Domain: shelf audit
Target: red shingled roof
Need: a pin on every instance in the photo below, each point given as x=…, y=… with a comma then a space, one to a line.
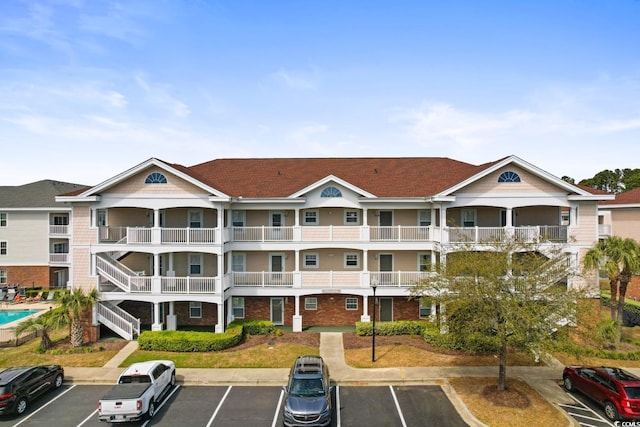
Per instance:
x=383, y=177
x=628, y=197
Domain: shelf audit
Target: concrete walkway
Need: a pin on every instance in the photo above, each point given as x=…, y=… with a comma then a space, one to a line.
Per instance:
x=545, y=379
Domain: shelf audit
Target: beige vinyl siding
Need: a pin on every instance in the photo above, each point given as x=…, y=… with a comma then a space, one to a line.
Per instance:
x=27, y=237
x=82, y=278
x=529, y=184
x=586, y=231
x=135, y=185
x=83, y=233
x=626, y=223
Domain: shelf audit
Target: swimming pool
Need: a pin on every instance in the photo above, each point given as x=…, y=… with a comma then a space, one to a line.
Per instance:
x=8, y=316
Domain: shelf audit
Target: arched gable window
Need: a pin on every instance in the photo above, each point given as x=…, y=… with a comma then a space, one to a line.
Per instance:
x=331, y=192
x=155, y=178
x=509, y=176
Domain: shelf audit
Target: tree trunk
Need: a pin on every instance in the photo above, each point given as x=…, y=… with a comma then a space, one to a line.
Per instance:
x=613, y=289
x=502, y=370
x=624, y=282
x=45, y=341
x=76, y=333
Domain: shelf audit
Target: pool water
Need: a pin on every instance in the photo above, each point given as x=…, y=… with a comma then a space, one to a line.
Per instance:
x=8, y=316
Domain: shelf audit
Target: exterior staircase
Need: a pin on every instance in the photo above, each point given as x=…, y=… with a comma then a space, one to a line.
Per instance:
x=118, y=320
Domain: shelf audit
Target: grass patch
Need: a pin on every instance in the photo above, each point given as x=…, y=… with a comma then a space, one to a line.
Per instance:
x=281, y=355
x=486, y=404
x=25, y=354
x=409, y=356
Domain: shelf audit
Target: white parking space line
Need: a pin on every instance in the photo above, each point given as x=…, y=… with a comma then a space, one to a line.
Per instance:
x=44, y=406
x=275, y=416
x=88, y=418
x=163, y=402
x=338, y=421
x=597, y=416
x=395, y=399
x=213, y=417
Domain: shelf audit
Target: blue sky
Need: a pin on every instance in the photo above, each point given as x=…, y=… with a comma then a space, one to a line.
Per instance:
x=90, y=88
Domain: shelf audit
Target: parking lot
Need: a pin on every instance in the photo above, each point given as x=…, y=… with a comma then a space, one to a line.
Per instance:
x=586, y=411
x=241, y=406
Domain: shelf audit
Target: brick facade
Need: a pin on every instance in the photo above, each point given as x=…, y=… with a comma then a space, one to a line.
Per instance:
x=29, y=276
x=144, y=312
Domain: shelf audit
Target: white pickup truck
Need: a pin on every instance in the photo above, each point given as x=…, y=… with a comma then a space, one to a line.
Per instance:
x=139, y=389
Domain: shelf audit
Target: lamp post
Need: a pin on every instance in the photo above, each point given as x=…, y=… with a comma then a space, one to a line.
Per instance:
x=374, y=285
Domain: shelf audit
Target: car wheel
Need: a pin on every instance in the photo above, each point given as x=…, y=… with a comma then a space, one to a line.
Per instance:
x=57, y=383
x=568, y=384
x=152, y=409
x=610, y=411
x=21, y=406
x=173, y=379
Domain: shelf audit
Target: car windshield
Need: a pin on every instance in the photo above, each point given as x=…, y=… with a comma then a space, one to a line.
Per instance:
x=633, y=392
x=307, y=387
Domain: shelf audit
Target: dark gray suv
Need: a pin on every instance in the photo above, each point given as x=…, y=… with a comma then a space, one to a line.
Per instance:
x=308, y=394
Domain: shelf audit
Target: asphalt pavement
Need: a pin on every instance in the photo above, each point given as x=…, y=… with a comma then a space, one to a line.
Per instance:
x=544, y=378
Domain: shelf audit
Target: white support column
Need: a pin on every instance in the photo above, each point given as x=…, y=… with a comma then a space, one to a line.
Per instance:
x=220, y=324
x=229, y=310
x=157, y=324
x=156, y=265
x=172, y=320
x=365, y=309
x=509, y=214
x=297, y=318
x=156, y=218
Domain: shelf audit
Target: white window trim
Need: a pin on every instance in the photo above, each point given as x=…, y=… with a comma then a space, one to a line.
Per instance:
x=6, y=247
x=239, y=216
x=4, y=216
x=304, y=260
x=420, y=255
x=195, y=305
x=356, y=222
x=309, y=306
x=474, y=212
x=423, y=306
x=346, y=303
x=427, y=212
x=3, y=277
x=357, y=255
x=199, y=214
x=235, y=307
x=199, y=262
x=240, y=256
x=304, y=217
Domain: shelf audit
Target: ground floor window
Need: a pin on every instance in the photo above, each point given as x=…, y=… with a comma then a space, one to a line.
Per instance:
x=3, y=277
x=195, y=310
x=425, y=309
x=311, y=303
x=351, y=303
x=238, y=307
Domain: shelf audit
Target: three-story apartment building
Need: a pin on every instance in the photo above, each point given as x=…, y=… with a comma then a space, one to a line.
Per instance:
x=300, y=241
x=35, y=231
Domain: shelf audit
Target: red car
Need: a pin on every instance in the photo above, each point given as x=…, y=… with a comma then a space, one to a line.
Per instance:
x=617, y=390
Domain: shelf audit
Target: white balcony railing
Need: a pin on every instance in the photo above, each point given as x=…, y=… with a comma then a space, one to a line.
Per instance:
x=59, y=229
x=604, y=229
x=552, y=233
x=263, y=279
x=146, y=235
x=262, y=234
x=59, y=258
x=188, y=285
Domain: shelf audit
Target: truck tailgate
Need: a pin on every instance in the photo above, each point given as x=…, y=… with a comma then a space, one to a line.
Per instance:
x=122, y=399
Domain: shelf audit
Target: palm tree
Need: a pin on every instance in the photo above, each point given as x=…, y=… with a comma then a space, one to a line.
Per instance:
x=75, y=303
x=52, y=320
x=620, y=259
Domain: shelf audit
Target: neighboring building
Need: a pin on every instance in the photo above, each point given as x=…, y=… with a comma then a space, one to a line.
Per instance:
x=620, y=217
x=299, y=241
x=34, y=234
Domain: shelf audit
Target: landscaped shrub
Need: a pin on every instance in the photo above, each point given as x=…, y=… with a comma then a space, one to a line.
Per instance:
x=190, y=341
x=401, y=327
x=631, y=313
x=187, y=341
x=255, y=327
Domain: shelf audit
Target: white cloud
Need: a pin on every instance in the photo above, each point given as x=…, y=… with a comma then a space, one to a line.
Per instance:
x=160, y=97
x=296, y=80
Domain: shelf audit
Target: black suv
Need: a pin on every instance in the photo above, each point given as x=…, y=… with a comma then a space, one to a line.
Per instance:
x=308, y=394
x=18, y=386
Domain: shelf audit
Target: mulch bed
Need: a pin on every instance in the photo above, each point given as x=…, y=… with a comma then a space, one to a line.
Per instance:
x=509, y=397
x=311, y=339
